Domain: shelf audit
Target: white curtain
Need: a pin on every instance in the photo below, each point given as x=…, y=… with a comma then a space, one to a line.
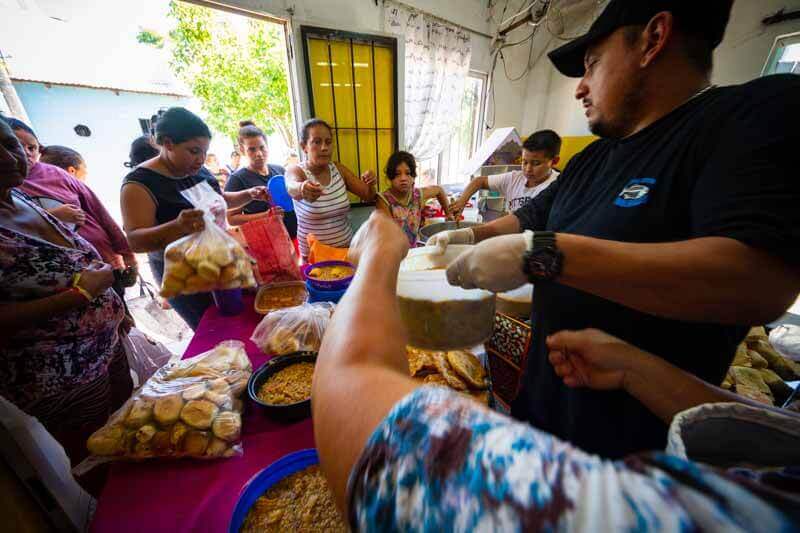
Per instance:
x=437, y=57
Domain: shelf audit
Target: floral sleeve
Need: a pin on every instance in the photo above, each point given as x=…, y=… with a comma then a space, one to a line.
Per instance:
x=440, y=462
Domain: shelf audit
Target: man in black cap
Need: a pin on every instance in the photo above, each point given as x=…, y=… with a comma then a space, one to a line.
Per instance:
x=675, y=231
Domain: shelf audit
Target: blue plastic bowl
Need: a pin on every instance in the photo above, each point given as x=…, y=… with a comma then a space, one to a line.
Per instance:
x=317, y=295
x=280, y=196
x=271, y=475
x=333, y=285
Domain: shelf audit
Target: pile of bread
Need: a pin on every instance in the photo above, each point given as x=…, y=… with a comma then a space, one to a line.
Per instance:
x=190, y=408
x=205, y=262
x=459, y=370
x=759, y=372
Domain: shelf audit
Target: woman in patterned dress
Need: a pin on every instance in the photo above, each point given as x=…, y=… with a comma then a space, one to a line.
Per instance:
x=404, y=202
x=319, y=189
x=61, y=359
x=404, y=457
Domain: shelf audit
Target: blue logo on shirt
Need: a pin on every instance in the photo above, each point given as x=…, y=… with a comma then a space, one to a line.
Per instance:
x=636, y=192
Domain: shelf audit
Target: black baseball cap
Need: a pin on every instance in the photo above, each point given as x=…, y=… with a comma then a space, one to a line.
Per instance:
x=702, y=17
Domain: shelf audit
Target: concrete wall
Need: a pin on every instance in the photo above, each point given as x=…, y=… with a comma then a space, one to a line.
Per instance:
x=113, y=118
x=544, y=98
x=549, y=96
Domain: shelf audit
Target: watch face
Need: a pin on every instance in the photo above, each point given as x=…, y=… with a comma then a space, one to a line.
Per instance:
x=545, y=263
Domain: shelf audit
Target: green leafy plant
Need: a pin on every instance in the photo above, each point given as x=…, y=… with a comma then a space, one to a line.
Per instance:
x=150, y=37
x=237, y=71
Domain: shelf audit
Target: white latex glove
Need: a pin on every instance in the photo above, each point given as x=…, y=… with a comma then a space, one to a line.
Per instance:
x=445, y=238
x=495, y=264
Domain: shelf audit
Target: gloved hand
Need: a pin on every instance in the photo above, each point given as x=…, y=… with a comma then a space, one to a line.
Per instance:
x=457, y=236
x=495, y=264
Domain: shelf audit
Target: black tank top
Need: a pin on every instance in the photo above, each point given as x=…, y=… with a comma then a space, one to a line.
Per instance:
x=166, y=191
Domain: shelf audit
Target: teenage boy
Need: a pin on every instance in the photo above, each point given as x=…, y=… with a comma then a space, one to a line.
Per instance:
x=539, y=155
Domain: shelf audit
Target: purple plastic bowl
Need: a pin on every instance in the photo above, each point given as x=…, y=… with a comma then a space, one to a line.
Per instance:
x=334, y=285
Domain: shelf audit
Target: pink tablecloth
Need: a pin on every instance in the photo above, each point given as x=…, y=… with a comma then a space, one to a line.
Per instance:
x=191, y=495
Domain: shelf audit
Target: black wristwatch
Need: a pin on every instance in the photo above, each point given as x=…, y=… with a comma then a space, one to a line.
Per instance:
x=543, y=260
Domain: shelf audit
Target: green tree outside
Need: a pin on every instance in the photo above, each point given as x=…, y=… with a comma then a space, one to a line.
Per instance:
x=235, y=74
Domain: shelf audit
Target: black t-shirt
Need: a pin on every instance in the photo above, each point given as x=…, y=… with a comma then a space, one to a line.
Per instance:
x=244, y=178
x=723, y=164
x=166, y=193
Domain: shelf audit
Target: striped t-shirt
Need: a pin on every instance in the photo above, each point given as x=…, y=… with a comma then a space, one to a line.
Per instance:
x=328, y=217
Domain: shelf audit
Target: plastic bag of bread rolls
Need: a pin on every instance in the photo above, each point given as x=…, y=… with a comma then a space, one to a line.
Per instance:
x=209, y=259
x=189, y=408
x=293, y=329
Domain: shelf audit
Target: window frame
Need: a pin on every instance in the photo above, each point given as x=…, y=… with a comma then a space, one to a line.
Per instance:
x=479, y=123
x=779, y=42
x=343, y=35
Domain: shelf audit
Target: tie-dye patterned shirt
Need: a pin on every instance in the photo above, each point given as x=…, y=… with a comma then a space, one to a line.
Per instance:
x=439, y=462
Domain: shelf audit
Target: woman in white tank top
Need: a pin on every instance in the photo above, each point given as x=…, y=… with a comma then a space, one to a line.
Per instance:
x=319, y=189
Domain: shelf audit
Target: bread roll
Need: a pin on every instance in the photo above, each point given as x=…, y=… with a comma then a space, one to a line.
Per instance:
x=109, y=440
x=227, y=426
x=140, y=413
x=195, y=392
x=222, y=256
x=216, y=447
x=223, y=401
x=199, y=413
x=180, y=270
x=195, y=443
x=209, y=271
x=167, y=410
x=179, y=430
x=145, y=433
x=161, y=443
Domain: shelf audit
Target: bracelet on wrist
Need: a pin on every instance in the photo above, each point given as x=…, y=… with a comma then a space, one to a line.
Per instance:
x=83, y=293
x=76, y=279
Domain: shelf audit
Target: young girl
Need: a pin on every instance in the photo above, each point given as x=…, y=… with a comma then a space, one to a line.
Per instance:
x=404, y=202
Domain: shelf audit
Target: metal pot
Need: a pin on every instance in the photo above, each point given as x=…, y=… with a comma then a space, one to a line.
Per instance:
x=429, y=231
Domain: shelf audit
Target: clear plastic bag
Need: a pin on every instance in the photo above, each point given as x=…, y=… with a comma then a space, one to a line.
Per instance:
x=272, y=248
x=786, y=339
x=293, y=329
x=189, y=408
x=210, y=259
x=145, y=355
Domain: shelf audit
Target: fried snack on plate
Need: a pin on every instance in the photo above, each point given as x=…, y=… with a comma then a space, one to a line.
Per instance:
x=420, y=361
x=453, y=380
x=468, y=368
x=435, y=379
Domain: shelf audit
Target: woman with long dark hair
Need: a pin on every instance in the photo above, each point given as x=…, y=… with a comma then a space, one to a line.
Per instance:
x=154, y=211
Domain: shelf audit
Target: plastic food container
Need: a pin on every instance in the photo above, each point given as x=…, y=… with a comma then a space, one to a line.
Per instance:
x=331, y=285
x=317, y=295
x=280, y=412
x=265, y=479
x=437, y=315
x=263, y=307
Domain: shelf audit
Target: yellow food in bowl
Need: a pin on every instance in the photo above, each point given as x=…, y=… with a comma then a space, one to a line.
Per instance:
x=330, y=273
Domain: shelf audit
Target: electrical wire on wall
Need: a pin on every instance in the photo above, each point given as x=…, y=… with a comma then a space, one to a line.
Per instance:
x=547, y=13
x=497, y=53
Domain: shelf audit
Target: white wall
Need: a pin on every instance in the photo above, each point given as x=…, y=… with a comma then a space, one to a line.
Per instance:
x=743, y=52
x=550, y=101
x=544, y=98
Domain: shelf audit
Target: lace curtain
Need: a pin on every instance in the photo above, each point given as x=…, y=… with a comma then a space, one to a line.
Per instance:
x=437, y=58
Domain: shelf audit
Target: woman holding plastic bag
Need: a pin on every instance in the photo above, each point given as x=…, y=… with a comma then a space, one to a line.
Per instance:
x=61, y=359
x=172, y=196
